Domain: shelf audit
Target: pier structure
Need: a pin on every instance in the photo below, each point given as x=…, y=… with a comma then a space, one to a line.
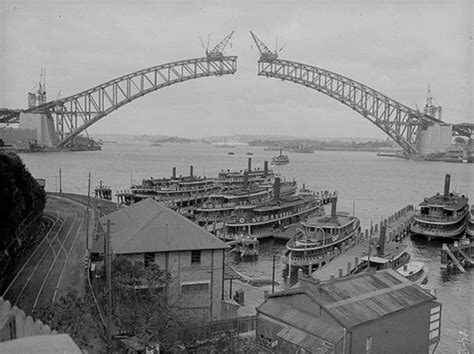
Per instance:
x=344, y=261
x=459, y=256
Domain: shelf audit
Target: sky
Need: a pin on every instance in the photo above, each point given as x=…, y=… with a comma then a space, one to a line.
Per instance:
x=395, y=47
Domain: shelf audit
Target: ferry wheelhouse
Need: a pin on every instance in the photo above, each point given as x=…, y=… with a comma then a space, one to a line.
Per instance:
x=263, y=220
x=175, y=190
x=443, y=216
x=280, y=159
x=318, y=236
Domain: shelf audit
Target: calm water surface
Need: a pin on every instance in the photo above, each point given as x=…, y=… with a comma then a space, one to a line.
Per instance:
x=375, y=187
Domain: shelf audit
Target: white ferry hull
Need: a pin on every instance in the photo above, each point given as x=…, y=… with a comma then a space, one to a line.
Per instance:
x=433, y=232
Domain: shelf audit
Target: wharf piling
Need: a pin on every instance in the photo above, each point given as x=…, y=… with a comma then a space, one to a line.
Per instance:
x=344, y=261
x=460, y=255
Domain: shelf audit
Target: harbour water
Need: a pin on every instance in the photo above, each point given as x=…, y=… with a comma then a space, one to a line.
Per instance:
x=372, y=187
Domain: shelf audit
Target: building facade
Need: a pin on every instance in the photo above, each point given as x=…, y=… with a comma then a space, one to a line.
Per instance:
x=379, y=312
x=149, y=232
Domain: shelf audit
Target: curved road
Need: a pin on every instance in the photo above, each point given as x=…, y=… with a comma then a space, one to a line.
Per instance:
x=57, y=263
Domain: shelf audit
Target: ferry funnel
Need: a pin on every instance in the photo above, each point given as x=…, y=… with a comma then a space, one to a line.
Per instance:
x=190, y=171
x=246, y=179
x=250, y=164
x=174, y=173
x=333, y=206
x=276, y=188
x=381, y=244
x=265, y=168
x=447, y=181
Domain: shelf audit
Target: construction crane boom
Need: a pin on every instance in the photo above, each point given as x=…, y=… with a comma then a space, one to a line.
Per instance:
x=218, y=51
x=265, y=53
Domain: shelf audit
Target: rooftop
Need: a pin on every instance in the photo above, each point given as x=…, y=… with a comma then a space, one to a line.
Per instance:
x=149, y=226
x=355, y=299
x=452, y=202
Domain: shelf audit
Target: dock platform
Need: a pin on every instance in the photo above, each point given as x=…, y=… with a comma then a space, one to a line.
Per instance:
x=343, y=263
x=460, y=255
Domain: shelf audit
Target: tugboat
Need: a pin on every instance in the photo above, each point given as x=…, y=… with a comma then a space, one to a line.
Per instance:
x=280, y=159
x=320, y=235
x=442, y=216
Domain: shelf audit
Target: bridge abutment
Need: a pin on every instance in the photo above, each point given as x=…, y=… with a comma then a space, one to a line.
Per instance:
x=43, y=124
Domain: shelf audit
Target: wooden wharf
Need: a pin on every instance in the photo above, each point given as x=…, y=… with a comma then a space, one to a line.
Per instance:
x=460, y=255
x=344, y=261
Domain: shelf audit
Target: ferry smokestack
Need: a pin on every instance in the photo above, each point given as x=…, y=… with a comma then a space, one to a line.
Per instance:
x=447, y=180
x=246, y=179
x=333, y=206
x=190, y=171
x=174, y=173
x=250, y=164
x=265, y=168
x=381, y=245
x=276, y=188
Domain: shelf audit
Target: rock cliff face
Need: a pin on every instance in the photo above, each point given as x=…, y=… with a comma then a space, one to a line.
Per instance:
x=21, y=198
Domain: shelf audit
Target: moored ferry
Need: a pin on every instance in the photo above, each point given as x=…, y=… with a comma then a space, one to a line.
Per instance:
x=218, y=207
x=280, y=159
x=318, y=236
x=230, y=180
x=175, y=190
x=266, y=219
x=442, y=216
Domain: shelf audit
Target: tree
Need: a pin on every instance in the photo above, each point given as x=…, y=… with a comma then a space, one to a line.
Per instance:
x=72, y=314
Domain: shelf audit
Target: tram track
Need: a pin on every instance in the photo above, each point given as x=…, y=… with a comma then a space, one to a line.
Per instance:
x=42, y=276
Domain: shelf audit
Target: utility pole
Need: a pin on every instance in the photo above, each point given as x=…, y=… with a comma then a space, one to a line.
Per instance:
x=273, y=275
x=108, y=265
x=60, y=184
x=370, y=239
x=87, y=210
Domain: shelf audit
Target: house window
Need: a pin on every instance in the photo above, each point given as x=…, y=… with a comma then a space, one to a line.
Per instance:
x=148, y=258
x=194, y=288
x=195, y=257
x=368, y=345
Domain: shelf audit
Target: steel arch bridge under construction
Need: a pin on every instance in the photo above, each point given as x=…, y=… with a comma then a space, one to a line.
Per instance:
x=74, y=114
x=398, y=121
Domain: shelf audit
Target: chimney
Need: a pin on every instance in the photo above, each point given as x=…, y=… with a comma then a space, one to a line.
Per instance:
x=276, y=188
x=333, y=206
x=174, y=173
x=265, y=168
x=381, y=245
x=250, y=164
x=447, y=180
x=246, y=179
x=190, y=171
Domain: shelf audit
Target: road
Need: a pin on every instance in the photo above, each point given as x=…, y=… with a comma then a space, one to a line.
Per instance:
x=57, y=263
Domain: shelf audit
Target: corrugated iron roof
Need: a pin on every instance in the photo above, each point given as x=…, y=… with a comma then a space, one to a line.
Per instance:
x=149, y=226
x=364, y=297
x=350, y=301
x=306, y=340
x=278, y=307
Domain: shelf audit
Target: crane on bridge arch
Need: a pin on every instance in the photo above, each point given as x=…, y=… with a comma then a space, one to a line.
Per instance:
x=74, y=114
x=398, y=121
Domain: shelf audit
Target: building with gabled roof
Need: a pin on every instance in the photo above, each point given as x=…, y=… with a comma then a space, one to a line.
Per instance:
x=149, y=232
x=377, y=312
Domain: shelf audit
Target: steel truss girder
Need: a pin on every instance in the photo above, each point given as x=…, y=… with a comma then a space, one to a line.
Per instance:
x=398, y=121
x=76, y=113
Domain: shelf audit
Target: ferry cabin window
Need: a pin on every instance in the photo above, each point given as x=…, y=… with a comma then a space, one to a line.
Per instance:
x=195, y=257
x=368, y=345
x=148, y=258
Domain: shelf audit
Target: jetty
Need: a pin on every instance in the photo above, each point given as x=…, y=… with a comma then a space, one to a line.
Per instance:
x=459, y=256
x=346, y=260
